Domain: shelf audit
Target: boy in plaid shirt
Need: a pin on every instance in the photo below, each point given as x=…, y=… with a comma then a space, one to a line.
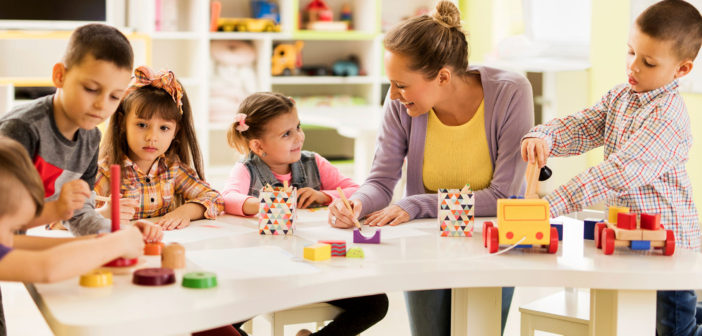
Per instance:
x=645, y=130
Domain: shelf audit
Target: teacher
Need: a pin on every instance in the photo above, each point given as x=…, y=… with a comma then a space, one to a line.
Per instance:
x=454, y=124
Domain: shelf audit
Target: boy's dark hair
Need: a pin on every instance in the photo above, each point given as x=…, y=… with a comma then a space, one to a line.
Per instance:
x=677, y=21
x=259, y=108
x=146, y=102
x=102, y=42
x=17, y=171
x=432, y=42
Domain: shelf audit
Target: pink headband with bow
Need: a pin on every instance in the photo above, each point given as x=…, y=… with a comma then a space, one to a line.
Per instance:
x=143, y=76
x=240, y=119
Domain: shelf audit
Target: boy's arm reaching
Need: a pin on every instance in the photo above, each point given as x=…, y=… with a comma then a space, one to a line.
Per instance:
x=650, y=151
x=70, y=258
x=576, y=133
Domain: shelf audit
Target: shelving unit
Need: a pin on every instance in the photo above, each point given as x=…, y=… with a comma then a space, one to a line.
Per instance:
x=186, y=51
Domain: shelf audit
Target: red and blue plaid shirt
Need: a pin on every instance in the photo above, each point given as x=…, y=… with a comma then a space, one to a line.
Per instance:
x=157, y=191
x=646, y=138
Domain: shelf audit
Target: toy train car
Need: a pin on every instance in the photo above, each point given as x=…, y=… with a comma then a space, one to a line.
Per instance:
x=622, y=229
x=521, y=221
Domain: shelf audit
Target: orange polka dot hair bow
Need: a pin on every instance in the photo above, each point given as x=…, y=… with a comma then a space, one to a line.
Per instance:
x=143, y=76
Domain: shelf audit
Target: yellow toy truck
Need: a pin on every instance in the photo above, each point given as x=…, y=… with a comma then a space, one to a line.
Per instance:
x=247, y=25
x=521, y=221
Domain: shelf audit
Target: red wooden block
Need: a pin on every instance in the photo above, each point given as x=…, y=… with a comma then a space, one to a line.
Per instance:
x=651, y=222
x=626, y=221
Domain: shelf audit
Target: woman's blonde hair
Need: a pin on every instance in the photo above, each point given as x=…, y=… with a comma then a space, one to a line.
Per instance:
x=432, y=42
x=259, y=109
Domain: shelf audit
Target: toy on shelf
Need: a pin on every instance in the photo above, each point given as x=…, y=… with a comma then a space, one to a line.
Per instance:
x=276, y=212
x=233, y=79
x=247, y=25
x=625, y=231
x=338, y=247
x=522, y=221
x=317, y=252
x=359, y=238
x=265, y=18
x=287, y=58
x=318, y=16
x=455, y=213
x=265, y=9
x=347, y=67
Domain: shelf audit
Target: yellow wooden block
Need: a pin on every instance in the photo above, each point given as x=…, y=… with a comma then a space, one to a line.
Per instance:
x=613, y=211
x=317, y=252
x=523, y=218
x=97, y=278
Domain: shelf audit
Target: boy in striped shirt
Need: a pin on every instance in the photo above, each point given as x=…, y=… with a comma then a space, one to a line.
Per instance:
x=645, y=130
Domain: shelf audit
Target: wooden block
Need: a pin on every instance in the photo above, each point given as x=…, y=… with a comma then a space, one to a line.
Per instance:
x=653, y=235
x=338, y=247
x=97, y=278
x=173, y=256
x=317, y=252
x=153, y=249
x=355, y=252
x=651, y=222
x=589, y=228
x=622, y=234
x=640, y=245
x=613, y=211
x=359, y=238
x=626, y=221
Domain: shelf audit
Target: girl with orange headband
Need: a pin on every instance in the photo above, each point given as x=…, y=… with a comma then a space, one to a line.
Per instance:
x=151, y=136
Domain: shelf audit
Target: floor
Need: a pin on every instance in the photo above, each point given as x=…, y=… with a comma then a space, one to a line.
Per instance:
x=24, y=319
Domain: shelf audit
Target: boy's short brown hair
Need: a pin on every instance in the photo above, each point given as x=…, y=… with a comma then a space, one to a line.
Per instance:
x=102, y=42
x=17, y=171
x=677, y=21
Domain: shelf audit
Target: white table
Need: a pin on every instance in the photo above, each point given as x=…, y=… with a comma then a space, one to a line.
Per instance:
x=623, y=299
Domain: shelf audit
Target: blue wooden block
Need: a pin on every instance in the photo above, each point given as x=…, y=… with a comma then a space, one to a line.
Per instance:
x=589, y=228
x=559, y=228
x=524, y=246
x=643, y=245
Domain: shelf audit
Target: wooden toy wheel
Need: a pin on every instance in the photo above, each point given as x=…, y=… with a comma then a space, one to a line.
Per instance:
x=493, y=240
x=608, y=241
x=486, y=225
x=553, y=246
x=669, y=247
x=598, y=234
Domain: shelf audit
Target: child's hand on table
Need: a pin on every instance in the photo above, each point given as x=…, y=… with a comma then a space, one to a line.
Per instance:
x=174, y=220
x=150, y=231
x=535, y=150
x=307, y=196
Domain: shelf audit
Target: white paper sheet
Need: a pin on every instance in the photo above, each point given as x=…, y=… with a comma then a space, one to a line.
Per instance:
x=329, y=233
x=203, y=230
x=249, y=262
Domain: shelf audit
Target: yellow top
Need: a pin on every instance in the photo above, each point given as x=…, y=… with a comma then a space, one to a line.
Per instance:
x=456, y=155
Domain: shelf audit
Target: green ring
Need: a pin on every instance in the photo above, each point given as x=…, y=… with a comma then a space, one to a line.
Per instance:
x=200, y=280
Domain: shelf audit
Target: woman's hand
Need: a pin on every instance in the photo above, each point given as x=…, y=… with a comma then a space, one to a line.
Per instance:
x=392, y=215
x=307, y=196
x=150, y=231
x=340, y=216
x=535, y=150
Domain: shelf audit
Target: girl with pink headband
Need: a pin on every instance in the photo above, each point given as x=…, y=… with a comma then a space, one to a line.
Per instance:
x=152, y=137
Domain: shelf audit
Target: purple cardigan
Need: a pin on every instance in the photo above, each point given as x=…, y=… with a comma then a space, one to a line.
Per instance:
x=509, y=114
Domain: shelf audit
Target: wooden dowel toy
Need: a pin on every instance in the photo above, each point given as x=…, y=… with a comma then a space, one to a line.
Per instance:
x=532, y=180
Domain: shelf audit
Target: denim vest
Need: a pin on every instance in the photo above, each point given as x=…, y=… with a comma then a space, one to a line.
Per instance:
x=304, y=173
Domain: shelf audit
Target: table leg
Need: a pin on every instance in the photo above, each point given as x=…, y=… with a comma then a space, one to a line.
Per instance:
x=622, y=312
x=476, y=311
